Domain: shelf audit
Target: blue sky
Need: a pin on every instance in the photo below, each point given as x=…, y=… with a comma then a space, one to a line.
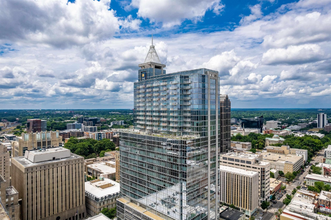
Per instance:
x=85, y=54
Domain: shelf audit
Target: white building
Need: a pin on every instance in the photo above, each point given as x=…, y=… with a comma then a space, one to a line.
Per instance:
x=321, y=120
x=271, y=124
x=312, y=178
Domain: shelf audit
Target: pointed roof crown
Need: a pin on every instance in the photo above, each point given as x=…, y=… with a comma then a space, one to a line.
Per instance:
x=152, y=55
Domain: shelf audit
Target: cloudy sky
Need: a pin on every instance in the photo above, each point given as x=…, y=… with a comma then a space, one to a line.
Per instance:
x=85, y=53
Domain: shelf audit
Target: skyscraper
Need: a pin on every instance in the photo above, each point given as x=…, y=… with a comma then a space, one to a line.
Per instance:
x=321, y=120
x=168, y=162
x=225, y=123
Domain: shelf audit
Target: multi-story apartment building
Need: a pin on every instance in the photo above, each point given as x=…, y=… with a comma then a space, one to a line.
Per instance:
x=39, y=140
x=50, y=183
x=89, y=128
x=252, y=162
x=240, y=188
x=8, y=193
x=101, y=193
x=225, y=123
x=169, y=162
x=322, y=120
x=74, y=125
x=36, y=125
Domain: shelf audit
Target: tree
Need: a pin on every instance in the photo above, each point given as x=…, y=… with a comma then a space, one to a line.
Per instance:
x=319, y=186
x=287, y=200
x=272, y=175
x=327, y=187
x=265, y=204
x=273, y=197
x=281, y=173
x=289, y=176
x=110, y=213
x=253, y=150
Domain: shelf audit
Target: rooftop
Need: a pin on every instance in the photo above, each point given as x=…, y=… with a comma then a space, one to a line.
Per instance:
x=280, y=157
x=318, y=177
x=274, y=183
x=102, y=188
x=102, y=167
x=242, y=172
x=324, y=195
x=99, y=216
x=39, y=157
x=231, y=214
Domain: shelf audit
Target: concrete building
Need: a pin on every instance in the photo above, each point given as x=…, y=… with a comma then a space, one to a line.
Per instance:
x=251, y=162
x=324, y=200
x=284, y=163
x=286, y=150
x=102, y=169
x=294, y=127
x=36, y=125
x=225, y=123
x=100, y=193
x=322, y=120
x=239, y=187
x=10, y=137
x=327, y=128
x=74, y=125
x=99, y=216
x=244, y=131
x=272, y=124
x=89, y=128
x=50, y=183
x=39, y=140
x=312, y=178
x=8, y=193
x=274, y=140
x=71, y=133
x=241, y=146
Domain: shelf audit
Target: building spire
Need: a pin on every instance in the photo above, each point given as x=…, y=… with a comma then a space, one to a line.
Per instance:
x=152, y=55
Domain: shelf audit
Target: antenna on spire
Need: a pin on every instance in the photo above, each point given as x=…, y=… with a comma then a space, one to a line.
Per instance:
x=152, y=39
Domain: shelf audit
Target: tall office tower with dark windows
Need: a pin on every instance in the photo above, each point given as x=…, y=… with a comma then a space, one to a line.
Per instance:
x=225, y=123
x=168, y=162
x=322, y=120
x=256, y=122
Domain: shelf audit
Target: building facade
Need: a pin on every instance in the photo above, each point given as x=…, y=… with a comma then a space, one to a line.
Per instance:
x=240, y=188
x=286, y=150
x=322, y=120
x=251, y=162
x=74, y=126
x=50, y=183
x=256, y=122
x=35, y=141
x=225, y=123
x=36, y=125
x=285, y=163
x=168, y=163
x=272, y=124
x=274, y=140
x=99, y=194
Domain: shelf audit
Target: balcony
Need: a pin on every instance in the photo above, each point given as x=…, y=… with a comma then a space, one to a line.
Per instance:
x=156, y=114
x=164, y=124
x=173, y=87
x=163, y=83
x=187, y=82
x=185, y=109
x=187, y=119
x=173, y=130
x=164, y=93
x=156, y=94
x=187, y=93
x=186, y=103
x=164, y=89
x=187, y=130
x=173, y=114
x=187, y=87
x=148, y=104
x=163, y=99
x=156, y=104
x=174, y=82
x=148, y=118
x=149, y=95
x=156, y=89
x=187, y=114
x=156, y=99
x=173, y=98
x=174, y=125
x=187, y=125
x=149, y=85
x=173, y=93
x=155, y=119
x=163, y=109
x=164, y=119
x=149, y=128
x=187, y=98
x=163, y=114
x=148, y=90
x=148, y=113
x=148, y=123
x=173, y=103
x=155, y=123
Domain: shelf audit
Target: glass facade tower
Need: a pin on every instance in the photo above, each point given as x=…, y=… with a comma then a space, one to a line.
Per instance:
x=168, y=162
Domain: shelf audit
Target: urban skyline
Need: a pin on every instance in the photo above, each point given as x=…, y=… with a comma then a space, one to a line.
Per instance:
x=83, y=64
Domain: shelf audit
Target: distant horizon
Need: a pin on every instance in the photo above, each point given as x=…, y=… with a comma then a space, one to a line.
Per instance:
x=132, y=109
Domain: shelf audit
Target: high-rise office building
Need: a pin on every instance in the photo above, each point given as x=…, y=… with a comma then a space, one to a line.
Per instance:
x=169, y=162
x=36, y=125
x=225, y=123
x=50, y=183
x=256, y=122
x=38, y=140
x=240, y=188
x=252, y=162
x=322, y=120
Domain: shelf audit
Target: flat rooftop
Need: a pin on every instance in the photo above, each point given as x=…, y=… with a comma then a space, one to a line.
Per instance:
x=280, y=157
x=318, y=177
x=102, y=167
x=239, y=171
x=102, y=188
x=45, y=157
x=231, y=214
x=324, y=195
x=274, y=183
x=99, y=216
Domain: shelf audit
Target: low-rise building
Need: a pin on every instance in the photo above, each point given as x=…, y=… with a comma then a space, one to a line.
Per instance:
x=327, y=155
x=232, y=214
x=74, y=125
x=70, y=133
x=99, y=216
x=102, y=169
x=327, y=128
x=287, y=150
x=275, y=185
x=272, y=124
x=101, y=193
x=312, y=178
x=86, y=128
x=275, y=172
x=285, y=163
x=324, y=201
x=238, y=183
x=274, y=140
x=241, y=146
